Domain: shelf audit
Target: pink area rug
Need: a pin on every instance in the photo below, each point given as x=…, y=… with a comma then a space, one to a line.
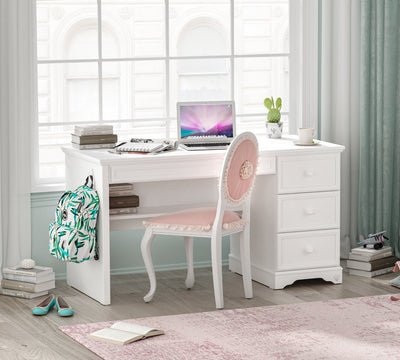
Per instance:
x=356, y=328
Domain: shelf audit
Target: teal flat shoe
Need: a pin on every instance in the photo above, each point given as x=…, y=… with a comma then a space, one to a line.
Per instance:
x=44, y=307
x=63, y=309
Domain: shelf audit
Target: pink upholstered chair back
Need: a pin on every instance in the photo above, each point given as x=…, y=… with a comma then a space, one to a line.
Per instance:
x=240, y=165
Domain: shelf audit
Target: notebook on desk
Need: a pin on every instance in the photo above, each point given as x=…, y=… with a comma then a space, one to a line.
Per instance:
x=206, y=125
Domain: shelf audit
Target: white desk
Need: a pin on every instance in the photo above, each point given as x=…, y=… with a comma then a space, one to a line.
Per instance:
x=295, y=215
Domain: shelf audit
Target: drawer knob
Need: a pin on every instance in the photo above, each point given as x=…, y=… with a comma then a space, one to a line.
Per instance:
x=309, y=173
x=309, y=249
x=309, y=211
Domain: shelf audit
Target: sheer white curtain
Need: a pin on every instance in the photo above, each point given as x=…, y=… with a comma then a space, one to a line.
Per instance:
x=340, y=102
x=17, y=112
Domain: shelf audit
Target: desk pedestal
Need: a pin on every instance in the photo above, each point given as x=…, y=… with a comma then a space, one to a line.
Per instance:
x=299, y=208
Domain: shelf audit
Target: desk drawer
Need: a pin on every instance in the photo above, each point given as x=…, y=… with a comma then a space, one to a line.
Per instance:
x=162, y=169
x=306, y=250
x=309, y=211
x=308, y=173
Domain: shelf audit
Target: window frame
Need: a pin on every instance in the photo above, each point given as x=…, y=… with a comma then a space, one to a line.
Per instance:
x=303, y=75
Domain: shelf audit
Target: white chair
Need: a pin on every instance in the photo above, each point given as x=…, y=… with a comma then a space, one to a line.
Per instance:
x=235, y=186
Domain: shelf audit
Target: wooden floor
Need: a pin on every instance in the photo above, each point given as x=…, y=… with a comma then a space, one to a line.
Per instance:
x=24, y=336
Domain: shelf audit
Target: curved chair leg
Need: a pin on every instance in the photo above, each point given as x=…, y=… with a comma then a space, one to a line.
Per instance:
x=189, y=282
x=217, y=270
x=246, y=262
x=148, y=262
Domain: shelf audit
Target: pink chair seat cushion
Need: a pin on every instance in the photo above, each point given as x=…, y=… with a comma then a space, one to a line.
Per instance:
x=198, y=219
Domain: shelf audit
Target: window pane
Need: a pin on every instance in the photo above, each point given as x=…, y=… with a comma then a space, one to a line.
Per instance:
x=258, y=78
x=261, y=26
x=199, y=80
x=256, y=124
x=82, y=95
x=148, y=129
x=66, y=29
x=137, y=28
x=133, y=90
x=199, y=27
x=68, y=92
x=51, y=157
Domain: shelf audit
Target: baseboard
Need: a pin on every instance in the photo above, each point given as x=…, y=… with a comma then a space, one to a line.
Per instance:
x=169, y=267
x=60, y=276
x=142, y=269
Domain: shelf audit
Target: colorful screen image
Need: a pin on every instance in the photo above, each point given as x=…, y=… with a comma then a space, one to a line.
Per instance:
x=206, y=120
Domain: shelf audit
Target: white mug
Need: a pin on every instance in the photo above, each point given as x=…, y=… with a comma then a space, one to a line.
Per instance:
x=306, y=135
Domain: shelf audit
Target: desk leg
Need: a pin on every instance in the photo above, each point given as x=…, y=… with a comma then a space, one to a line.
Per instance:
x=92, y=277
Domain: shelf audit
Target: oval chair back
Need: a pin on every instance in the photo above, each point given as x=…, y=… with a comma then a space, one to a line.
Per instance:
x=239, y=169
x=237, y=177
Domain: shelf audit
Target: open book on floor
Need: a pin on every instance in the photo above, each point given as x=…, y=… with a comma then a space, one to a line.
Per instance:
x=124, y=333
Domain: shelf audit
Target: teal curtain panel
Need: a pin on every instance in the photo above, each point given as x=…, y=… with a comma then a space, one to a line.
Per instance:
x=379, y=185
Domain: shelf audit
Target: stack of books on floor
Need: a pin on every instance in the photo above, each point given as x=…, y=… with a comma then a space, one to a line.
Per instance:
x=122, y=199
x=93, y=137
x=27, y=283
x=370, y=262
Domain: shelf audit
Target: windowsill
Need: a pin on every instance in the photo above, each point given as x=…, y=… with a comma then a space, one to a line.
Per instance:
x=45, y=188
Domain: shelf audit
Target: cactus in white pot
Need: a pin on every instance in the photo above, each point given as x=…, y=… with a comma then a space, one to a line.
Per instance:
x=274, y=124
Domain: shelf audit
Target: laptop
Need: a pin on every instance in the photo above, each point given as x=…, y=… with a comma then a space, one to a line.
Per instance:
x=206, y=125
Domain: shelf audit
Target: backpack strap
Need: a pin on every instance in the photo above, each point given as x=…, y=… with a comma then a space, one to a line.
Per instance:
x=89, y=180
x=63, y=195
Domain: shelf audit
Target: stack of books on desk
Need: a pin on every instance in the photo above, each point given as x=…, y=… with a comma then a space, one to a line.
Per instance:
x=93, y=137
x=122, y=199
x=27, y=283
x=370, y=262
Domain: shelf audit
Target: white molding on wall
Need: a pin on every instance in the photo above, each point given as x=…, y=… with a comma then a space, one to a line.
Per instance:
x=45, y=199
x=296, y=75
x=310, y=65
x=169, y=267
x=142, y=269
x=326, y=65
x=304, y=46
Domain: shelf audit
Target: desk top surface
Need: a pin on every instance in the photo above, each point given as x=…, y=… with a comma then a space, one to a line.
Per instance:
x=268, y=147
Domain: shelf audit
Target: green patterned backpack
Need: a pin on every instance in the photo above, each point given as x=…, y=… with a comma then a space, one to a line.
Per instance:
x=73, y=233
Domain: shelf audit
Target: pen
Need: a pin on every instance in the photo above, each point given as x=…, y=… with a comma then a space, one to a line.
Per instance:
x=124, y=142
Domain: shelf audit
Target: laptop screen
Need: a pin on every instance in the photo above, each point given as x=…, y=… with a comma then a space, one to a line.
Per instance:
x=206, y=121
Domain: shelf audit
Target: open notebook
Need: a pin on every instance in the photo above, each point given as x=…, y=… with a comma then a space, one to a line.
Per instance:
x=206, y=125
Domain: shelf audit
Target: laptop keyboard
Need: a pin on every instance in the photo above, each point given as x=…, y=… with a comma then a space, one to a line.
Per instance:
x=207, y=144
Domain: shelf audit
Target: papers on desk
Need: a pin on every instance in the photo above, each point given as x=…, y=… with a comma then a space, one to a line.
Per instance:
x=148, y=147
